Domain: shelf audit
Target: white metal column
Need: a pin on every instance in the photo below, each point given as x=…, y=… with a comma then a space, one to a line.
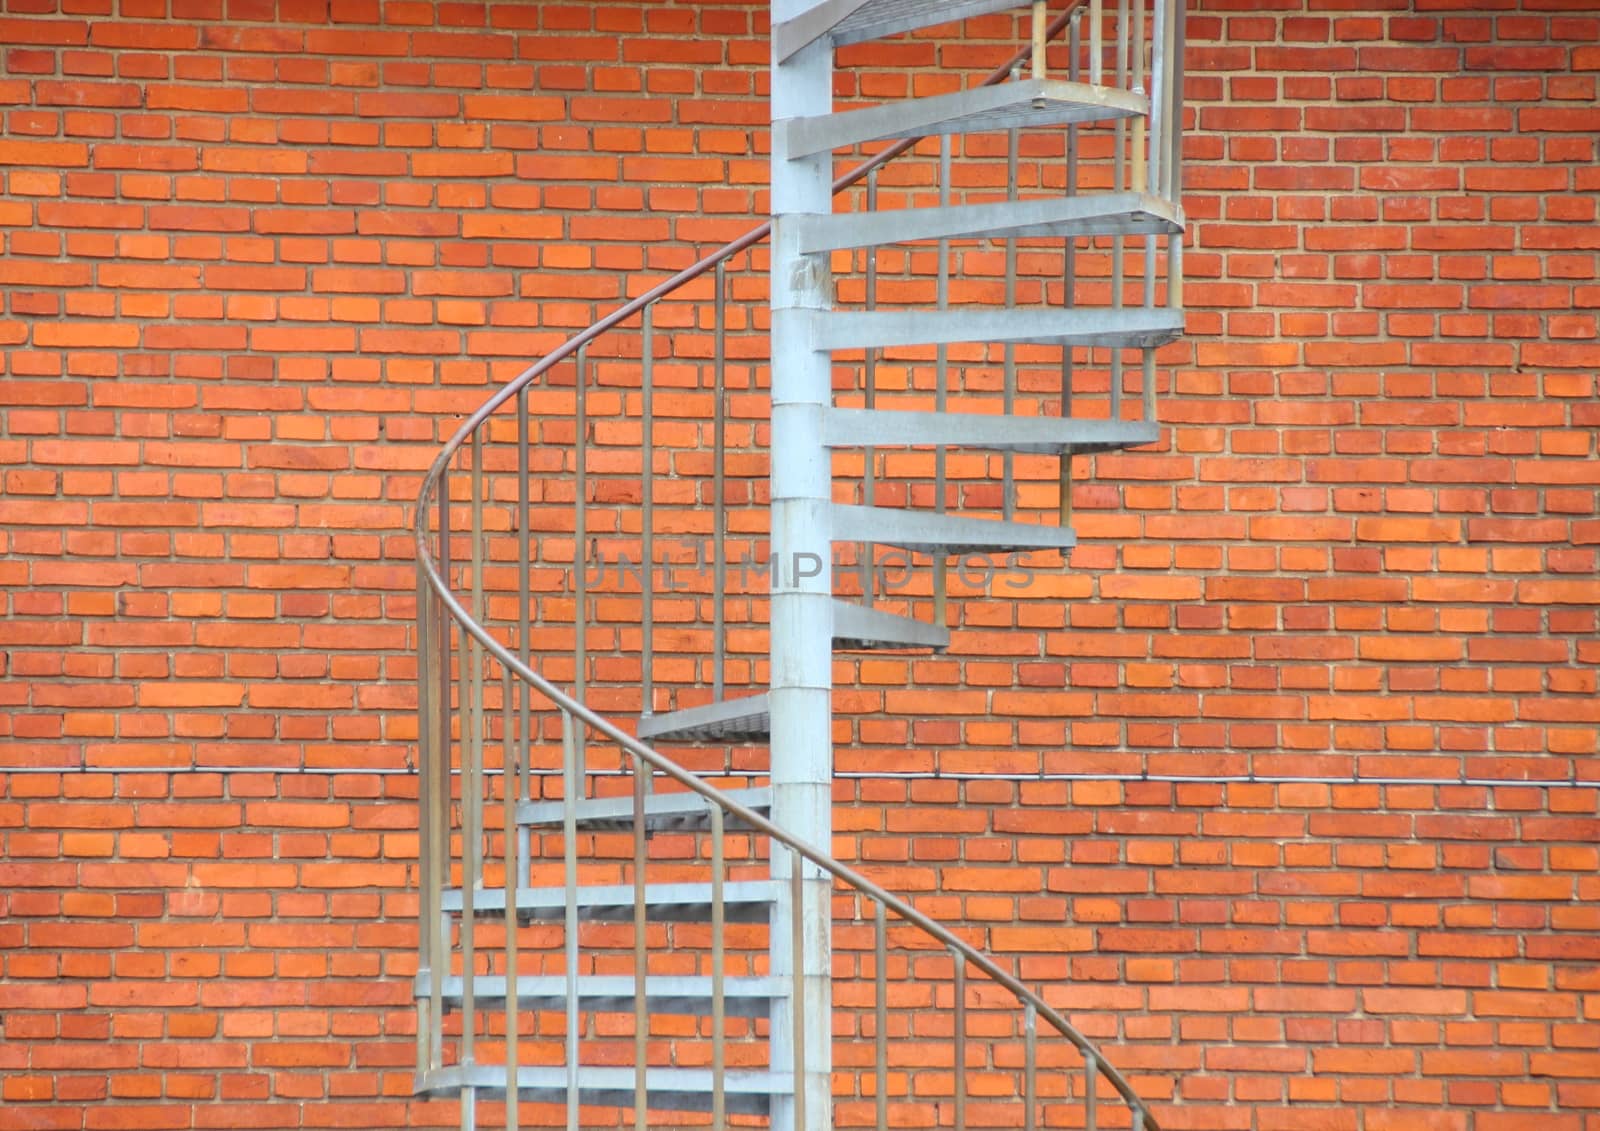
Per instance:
x=802, y=584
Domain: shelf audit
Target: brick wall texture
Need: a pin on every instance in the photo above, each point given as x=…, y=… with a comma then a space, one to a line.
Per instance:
x=260, y=256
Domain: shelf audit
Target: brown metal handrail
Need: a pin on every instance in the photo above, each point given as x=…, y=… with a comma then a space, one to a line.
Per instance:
x=436, y=599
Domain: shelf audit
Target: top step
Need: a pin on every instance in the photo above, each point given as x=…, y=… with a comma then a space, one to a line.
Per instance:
x=1026, y=102
x=855, y=21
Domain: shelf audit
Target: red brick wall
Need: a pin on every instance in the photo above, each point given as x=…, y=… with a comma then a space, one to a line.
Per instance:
x=258, y=259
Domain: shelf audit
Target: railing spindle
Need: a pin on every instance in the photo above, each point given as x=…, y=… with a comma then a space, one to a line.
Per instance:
x=961, y=1039
x=797, y=1010
x=1008, y=486
x=1069, y=270
x=941, y=365
x=641, y=952
x=1041, y=33
x=427, y=753
x=869, y=364
x=524, y=626
x=472, y=776
x=719, y=1092
x=647, y=517
x=1119, y=181
x=1091, y=1091
x=880, y=939
x=1175, y=37
x=580, y=543
x=510, y=827
x=1096, y=43
x=570, y=788
x=439, y=816
x=1030, y=1061
x=719, y=518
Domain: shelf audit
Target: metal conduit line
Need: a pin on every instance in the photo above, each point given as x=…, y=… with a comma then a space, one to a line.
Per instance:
x=890, y=775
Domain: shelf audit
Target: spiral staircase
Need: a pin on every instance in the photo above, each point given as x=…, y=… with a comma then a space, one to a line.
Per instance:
x=611, y=934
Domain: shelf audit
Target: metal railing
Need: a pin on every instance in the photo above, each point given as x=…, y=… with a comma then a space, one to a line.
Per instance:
x=479, y=690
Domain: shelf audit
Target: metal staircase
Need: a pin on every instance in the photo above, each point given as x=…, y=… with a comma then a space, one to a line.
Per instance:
x=608, y=935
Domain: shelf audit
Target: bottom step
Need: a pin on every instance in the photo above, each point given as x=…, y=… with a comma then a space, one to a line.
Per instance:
x=670, y=1089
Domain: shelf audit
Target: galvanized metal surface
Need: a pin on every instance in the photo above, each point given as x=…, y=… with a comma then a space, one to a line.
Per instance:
x=1030, y=102
x=460, y=653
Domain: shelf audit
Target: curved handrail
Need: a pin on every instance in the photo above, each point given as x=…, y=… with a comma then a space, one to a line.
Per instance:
x=571, y=346
x=440, y=589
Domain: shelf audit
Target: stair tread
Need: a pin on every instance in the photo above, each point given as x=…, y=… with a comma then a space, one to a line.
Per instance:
x=665, y=993
x=745, y=717
x=874, y=329
x=1116, y=213
x=876, y=427
x=744, y=901
x=858, y=627
x=677, y=810
x=854, y=21
x=670, y=1089
x=1027, y=102
x=935, y=533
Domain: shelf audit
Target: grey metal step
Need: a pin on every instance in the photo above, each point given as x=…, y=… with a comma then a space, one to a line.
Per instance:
x=725, y=720
x=866, y=427
x=871, y=329
x=855, y=628
x=744, y=901
x=678, y=810
x=854, y=21
x=941, y=534
x=1115, y=213
x=678, y=994
x=858, y=628
x=1027, y=102
x=670, y=1089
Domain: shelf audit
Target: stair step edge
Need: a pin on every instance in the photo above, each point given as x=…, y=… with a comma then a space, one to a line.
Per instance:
x=662, y=810
x=744, y=901
x=1026, y=102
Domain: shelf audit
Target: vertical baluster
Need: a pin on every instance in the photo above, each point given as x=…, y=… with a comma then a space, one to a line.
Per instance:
x=524, y=625
x=1175, y=39
x=797, y=904
x=1040, y=37
x=1008, y=486
x=941, y=378
x=580, y=541
x=440, y=839
x=719, y=1096
x=1141, y=180
x=719, y=444
x=510, y=827
x=880, y=939
x=1069, y=268
x=1096, y=43
x=870, y=376
x=641, y=954
x=647, y=516
x=1119, y=175
x=961, y=1039
x=427, y=753
x=1030, y=1062
x=570, y=792
x=1156, y=173
x=1091, y=1097
x=472, y=784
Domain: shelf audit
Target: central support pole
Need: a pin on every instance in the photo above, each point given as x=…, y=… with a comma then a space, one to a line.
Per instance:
x=802, y=590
